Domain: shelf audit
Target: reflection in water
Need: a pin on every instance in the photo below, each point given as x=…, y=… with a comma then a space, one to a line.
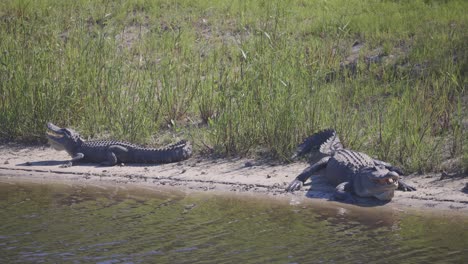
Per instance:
x=58, y=223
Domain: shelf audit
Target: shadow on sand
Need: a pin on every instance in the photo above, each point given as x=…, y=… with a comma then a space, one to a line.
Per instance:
x=42, y=163
x=96, y=165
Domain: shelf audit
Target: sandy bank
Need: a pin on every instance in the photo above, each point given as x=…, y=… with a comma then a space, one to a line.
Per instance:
x=40, y=163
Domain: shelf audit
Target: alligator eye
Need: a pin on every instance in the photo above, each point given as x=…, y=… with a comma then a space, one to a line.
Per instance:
x=66, y=131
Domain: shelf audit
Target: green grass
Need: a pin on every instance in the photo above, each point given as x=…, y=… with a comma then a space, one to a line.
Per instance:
x=241, y=77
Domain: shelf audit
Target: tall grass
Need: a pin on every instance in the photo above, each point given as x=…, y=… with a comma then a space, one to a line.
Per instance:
x=241, y=76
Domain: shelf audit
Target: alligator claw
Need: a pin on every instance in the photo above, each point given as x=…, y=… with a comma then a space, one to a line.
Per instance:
x=294, y=186
x=66, y=165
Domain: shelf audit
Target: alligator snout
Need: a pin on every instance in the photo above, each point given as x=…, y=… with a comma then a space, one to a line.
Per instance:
x=54, y=132
x=53, y=128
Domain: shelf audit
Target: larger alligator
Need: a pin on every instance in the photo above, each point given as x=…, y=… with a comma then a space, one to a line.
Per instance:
x=350, y=171
x=111, y=152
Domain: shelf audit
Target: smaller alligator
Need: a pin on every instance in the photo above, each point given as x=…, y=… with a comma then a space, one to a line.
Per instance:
x=111, y=152
x=350, y=171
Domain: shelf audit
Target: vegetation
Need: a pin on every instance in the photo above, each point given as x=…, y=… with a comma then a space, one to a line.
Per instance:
x=241, y=76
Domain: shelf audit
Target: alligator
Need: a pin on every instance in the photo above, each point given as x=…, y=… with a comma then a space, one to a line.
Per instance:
x=112, y=152
x=350, y=171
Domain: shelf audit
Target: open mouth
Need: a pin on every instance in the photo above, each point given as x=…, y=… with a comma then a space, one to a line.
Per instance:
x=54, y=132
x=386, y=185
x=53, y=137
x=386, y=181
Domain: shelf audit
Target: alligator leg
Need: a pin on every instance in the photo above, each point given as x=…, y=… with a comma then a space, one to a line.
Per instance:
x=77, y=157
x=343, y=192
x=301, y=178
x=405, y=187
x=114, y=153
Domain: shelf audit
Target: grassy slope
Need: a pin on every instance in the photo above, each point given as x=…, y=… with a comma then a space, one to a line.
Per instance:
x=260, y=74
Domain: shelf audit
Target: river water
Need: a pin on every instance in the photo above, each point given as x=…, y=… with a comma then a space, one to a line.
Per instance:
x=61, y=223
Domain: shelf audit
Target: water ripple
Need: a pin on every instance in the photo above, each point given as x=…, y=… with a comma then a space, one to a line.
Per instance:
x=105, y=228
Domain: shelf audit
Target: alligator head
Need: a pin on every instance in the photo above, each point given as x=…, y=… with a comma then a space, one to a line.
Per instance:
x=378, y=182
x=63, y=138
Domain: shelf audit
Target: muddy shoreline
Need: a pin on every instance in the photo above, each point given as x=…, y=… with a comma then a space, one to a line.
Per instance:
x=230, y=176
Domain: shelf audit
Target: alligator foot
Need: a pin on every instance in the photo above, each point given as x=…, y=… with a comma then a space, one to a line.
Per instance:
x=67, y=164
x=405, y=187
x=294, y=186
x=343, y=193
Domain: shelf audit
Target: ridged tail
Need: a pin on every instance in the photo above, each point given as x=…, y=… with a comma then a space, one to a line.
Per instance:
x=179, y=151
x=326, y=141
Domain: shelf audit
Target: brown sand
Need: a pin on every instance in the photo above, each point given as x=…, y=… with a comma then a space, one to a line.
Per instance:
x=241, y=176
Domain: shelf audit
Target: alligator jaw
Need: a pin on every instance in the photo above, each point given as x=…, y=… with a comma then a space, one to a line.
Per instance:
x=386, y=181
x=55, y=135
x=388, y=184
x=379, y=183
x=54, y=129
x=54, y=132
x=382, y=176
x=385, y=196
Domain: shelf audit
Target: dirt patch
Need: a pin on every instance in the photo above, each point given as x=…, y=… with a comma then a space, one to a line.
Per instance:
x=41, y=163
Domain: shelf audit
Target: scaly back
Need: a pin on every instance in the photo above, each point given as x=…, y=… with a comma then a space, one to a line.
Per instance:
x=352, y=159
x=107, y=143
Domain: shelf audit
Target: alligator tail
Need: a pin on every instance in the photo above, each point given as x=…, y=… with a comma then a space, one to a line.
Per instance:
x=325, y=141
x=179, y=151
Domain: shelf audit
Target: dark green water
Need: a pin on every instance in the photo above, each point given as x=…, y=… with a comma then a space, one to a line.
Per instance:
x=76, y=224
